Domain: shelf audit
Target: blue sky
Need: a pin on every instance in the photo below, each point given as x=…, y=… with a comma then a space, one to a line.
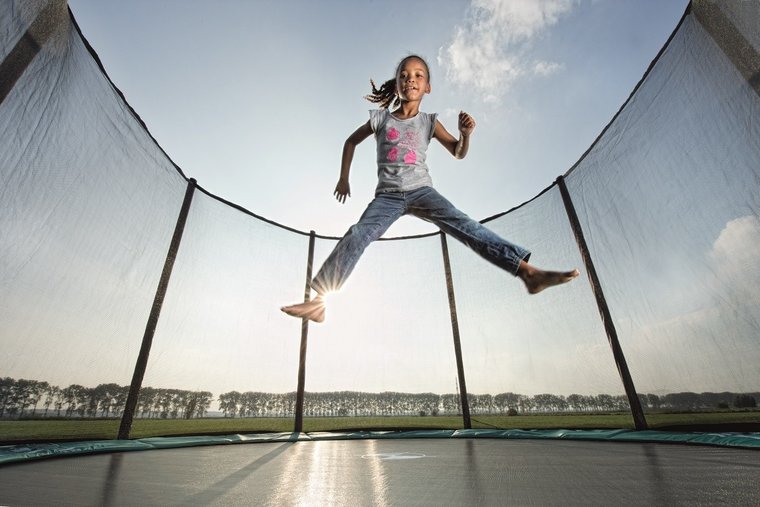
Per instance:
x=255, y=98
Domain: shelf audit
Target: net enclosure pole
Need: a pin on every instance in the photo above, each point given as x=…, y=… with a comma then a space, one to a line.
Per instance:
x=150, y=329
x=304, y=340
x=639, y=420
x=455, y=333
x=49, y=19
x=729, y=38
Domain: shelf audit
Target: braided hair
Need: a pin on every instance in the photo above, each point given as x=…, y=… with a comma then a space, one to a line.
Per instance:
x=387, y=94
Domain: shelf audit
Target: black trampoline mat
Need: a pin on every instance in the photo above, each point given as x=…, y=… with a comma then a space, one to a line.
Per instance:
x=394, y=472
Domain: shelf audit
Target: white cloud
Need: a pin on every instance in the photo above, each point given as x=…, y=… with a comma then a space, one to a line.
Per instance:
x=489, y=51
x=734, y=256
x=707, y=339
x=450, y=112
x=735, y=250
x=541, y=68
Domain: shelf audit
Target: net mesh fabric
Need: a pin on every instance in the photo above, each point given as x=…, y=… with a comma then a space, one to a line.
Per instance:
x=667, y=199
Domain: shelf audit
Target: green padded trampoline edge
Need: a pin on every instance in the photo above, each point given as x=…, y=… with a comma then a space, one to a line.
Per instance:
x=28, y=452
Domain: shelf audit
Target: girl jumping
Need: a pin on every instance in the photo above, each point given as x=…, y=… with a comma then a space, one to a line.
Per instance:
x=405, y=187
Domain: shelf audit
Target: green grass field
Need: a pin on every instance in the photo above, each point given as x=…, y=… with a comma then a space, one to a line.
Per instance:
x=40, y=430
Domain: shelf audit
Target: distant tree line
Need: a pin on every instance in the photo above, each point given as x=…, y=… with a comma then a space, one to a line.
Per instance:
x=354, y=403
x=31, y=398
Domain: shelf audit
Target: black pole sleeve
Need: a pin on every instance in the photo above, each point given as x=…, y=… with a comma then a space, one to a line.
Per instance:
x=150, y=328
x=304, y=340
x=601, y=302
x=49, y=20
x=455, y=332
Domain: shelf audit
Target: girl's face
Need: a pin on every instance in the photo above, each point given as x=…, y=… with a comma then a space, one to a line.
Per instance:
x=412, y=79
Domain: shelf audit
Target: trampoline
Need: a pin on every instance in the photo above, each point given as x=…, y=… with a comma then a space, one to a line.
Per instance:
x=140, y=340
x=395, y=472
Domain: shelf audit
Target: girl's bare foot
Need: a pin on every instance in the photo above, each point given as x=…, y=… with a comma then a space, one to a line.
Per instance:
x=537, y=280
x=313, y=310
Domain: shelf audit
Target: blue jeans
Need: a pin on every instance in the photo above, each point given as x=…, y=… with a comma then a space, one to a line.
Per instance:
x=425, y=203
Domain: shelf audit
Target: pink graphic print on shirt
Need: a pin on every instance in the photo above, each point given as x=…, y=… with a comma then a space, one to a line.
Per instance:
x=408, y=141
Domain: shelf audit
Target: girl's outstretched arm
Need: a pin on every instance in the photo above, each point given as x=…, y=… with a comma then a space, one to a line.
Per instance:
x=457, y=147
x=343, y=188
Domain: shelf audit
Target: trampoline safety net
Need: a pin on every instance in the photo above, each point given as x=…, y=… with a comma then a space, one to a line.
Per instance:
x=661, y=215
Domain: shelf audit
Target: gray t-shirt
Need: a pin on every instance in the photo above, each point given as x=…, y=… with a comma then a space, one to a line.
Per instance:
x=401, y=150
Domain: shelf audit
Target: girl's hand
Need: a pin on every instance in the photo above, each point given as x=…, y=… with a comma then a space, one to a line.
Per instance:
x=342, y=190
x=466, y=124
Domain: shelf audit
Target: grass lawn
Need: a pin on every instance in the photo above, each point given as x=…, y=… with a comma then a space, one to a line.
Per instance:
x=96, y=429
